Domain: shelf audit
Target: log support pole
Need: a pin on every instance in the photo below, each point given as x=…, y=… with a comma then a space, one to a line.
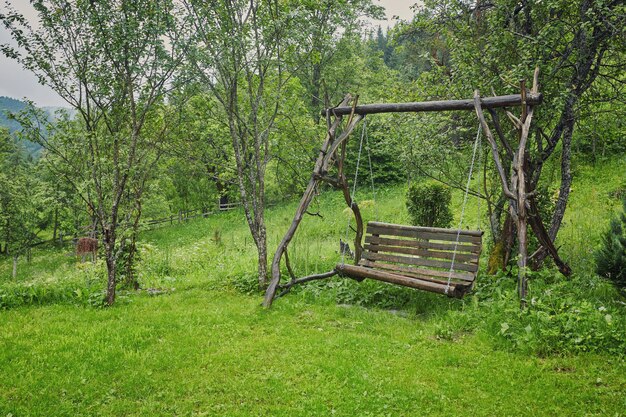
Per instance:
x=329, y=155
x=522, y=205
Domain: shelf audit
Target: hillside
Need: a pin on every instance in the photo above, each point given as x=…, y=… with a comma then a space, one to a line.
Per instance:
x=10, y=105
x=196, y=339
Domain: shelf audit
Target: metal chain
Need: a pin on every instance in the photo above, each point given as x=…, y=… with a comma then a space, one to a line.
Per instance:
x=369, y=158
x=356, y=176
x=458, y=232
x=481, y=161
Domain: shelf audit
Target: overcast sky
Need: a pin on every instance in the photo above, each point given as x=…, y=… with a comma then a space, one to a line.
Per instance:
x=17, y=83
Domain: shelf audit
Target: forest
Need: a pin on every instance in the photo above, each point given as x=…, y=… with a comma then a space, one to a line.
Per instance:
x=200, y=229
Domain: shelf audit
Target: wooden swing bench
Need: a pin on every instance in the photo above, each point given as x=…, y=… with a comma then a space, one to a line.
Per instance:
x=426, y=258
x=443, y=261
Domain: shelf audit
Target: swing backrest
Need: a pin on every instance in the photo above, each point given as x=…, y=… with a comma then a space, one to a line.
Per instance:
x=425, y=253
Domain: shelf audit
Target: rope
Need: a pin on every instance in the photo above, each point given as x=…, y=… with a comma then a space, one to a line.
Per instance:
x=458, y=232
x=356, y=176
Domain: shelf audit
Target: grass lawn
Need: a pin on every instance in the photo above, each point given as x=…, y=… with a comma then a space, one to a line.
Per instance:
x=201, y=352
x=206, y=348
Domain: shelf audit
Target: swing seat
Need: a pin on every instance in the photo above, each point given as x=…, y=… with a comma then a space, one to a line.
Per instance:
x=418, y=257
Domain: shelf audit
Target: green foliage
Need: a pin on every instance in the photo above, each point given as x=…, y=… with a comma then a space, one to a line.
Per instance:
x=375, y=294
x=450, y=343
x=246, y=283
x=7, y=106
x=10, y=107
x=323, y=47
x=381, y=154
x=564, y=316
x=82, y=286
x=127, y=260
x=590, y=208
x=428, y=204
x=113, y=62
x=619, y=192
x=24, y=199
x=611, y=256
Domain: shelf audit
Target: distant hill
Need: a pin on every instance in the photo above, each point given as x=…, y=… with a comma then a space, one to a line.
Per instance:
x=10, y=105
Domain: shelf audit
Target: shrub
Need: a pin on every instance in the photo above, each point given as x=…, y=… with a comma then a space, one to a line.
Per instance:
x=428, y=204
x=579, y=314
x=246, y=283
x=611, y=256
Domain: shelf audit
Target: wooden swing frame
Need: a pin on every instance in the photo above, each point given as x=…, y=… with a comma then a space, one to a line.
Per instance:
x=522, y=207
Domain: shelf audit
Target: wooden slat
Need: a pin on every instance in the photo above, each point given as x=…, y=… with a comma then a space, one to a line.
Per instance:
x=463, y=276
x=417, y=234
x=422, y=244
x=423, y=273
x=437, y=230
x=419, y=261
x=459, y=257
x=362, y=272
x=430, y=248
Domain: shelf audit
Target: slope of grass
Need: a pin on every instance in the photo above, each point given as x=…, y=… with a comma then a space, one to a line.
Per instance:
x=204, y=347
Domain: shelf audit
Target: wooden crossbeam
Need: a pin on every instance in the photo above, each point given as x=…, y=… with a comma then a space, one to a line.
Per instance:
x=445, y=105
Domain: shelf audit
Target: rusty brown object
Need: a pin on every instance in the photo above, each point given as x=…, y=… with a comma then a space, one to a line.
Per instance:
x=86, y=245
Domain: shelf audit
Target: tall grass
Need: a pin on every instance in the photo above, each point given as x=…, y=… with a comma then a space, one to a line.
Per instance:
x=218, y=253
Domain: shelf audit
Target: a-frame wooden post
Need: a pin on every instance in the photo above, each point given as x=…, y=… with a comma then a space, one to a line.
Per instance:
x=523, y=207
x=326, y=158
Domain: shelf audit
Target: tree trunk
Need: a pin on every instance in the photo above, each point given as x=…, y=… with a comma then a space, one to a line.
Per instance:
x=111, y=282
x=591, y=45
x=322, y=165
x=56, y=224
x=508, y=239
x=111, y=258
x=522, y=237
x=131, y=277
x=261, y=244
x=498, y=236
x=569, y=119
x=500, y=255
x=358, y=238
x=316, y=90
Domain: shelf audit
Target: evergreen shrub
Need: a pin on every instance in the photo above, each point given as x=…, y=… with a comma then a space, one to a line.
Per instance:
x=611, y=256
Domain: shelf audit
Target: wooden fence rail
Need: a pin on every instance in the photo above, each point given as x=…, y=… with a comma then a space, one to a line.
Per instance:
x=178, y=218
